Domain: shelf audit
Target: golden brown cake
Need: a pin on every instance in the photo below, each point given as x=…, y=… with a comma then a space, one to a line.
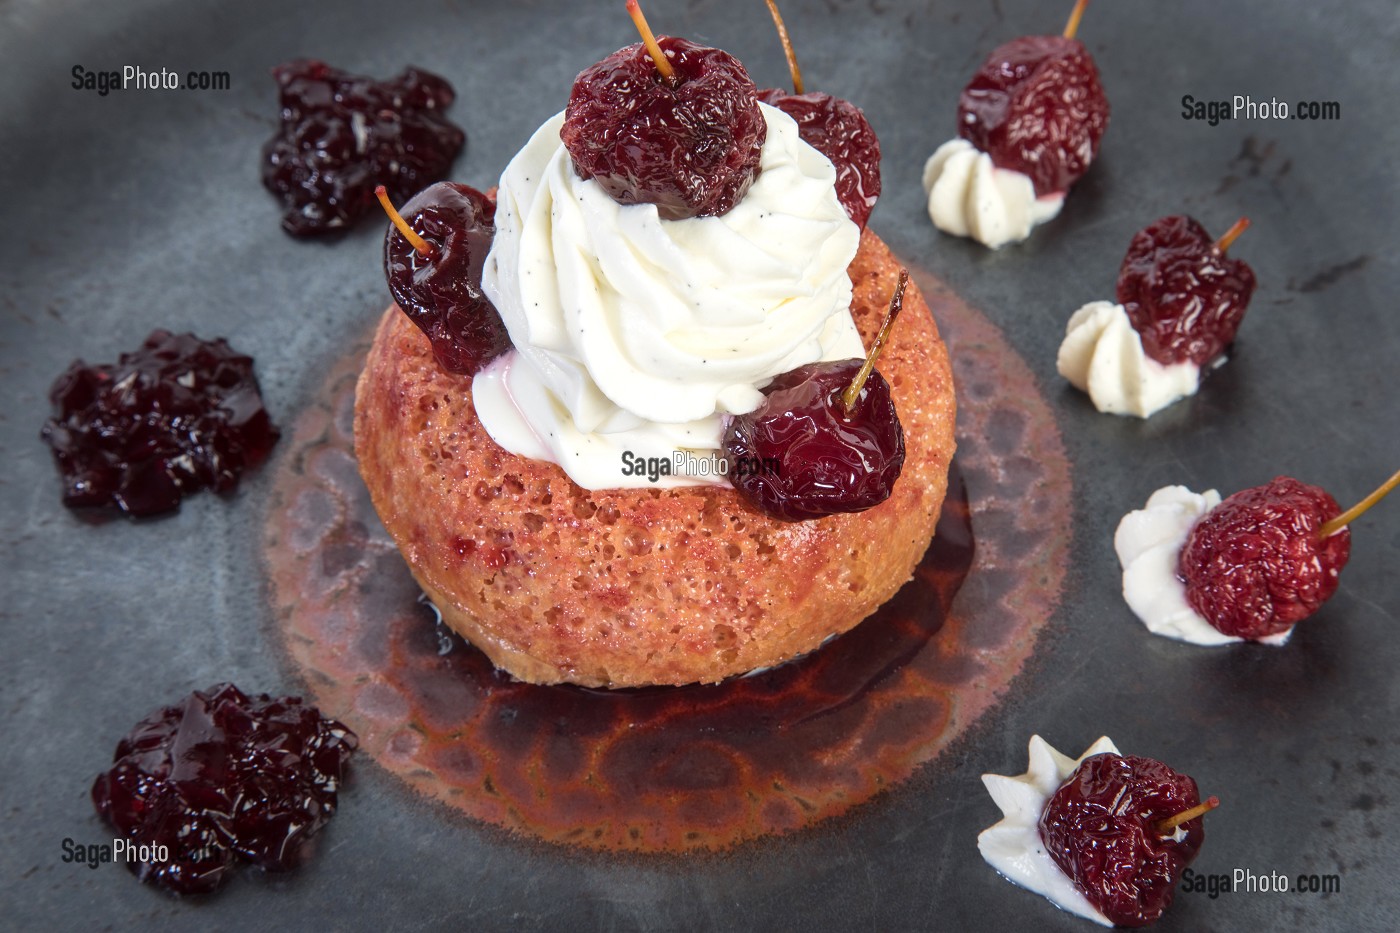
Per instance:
x=631, y=587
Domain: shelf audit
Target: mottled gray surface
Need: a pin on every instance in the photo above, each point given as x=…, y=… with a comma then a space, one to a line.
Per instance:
x=143, y=209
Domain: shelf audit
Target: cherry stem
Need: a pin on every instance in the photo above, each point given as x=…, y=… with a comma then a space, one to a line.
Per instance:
x=639, y=19
x=423, y=246
x=1075, y=15
x=787, y=47
x=1169, y=825
x=852, y=392
x=1231, y=235
x=1352, y=514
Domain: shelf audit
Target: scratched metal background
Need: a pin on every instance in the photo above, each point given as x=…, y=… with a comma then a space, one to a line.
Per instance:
x=140, y=210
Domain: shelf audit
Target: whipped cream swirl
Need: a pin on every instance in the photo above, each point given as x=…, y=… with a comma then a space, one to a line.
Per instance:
x=1149, y=543
x=636, y=335
x=969, y=196
x=1013, y=846
x=1102, y=355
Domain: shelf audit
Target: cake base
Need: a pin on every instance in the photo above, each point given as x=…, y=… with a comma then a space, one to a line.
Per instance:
x=637, y=587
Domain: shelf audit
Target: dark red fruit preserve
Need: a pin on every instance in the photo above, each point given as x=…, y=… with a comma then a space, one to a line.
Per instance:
x=178, y=415
x=342, y=134
x=441, y=291
x=1036, y=107
x=689, y=144
x=1254, y=565
x=1101, y=828
x=838, y=130
x=221, y=777
x=800, y=456
x=1184, y=297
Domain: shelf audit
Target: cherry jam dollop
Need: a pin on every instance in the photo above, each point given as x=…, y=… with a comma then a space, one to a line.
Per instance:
x=343, y=134
x=177, y=415
x=222, y=777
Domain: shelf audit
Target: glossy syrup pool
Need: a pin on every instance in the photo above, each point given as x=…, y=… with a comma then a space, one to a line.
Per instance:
x=682, y=768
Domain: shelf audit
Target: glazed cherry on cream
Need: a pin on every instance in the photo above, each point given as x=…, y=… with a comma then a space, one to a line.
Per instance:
x=826, y=438
x=1259, y=563
x=1123, y=828
x=1029, y=125
x=838, y=130
x=802, y=455
x=834, y=127
x=1184, y=296
x=676, y=125
x=433, y=255
x=1036, y=106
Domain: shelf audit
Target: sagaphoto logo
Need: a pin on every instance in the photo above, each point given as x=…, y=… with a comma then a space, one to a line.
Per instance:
x=697, y=466
x=1246, y=881
x=136, y=78
x=1244, y=107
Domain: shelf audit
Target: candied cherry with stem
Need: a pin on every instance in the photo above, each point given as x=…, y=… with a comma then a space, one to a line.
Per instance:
x=1123, y=828
x=1036, y=106
x=1257, y=564
x=825, y=439
x=433, y=256
x=688, y=142
x=1183, y=295
x=834, y=127
x=343, y=134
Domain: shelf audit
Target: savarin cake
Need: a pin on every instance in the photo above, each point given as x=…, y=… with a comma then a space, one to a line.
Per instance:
x=656, y=286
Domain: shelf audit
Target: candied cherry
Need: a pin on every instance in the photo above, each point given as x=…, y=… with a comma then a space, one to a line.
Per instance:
x=177, y=415
x=1259, y=563
x=223, y=776
x=825, y=439
x=838, y=130
x=342, y=134
x=678, y=127
x=1183, y=295
x=1036, y=107
x=834, y=127
x=1123, y=828
x=433, y=254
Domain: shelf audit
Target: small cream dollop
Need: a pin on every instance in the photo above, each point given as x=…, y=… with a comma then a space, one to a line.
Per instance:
x=1013, y=845
x=1149, y=543
x=1102, y=355
x=969, y=196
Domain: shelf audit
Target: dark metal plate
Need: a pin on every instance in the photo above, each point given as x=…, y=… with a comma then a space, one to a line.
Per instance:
x=142, y=209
